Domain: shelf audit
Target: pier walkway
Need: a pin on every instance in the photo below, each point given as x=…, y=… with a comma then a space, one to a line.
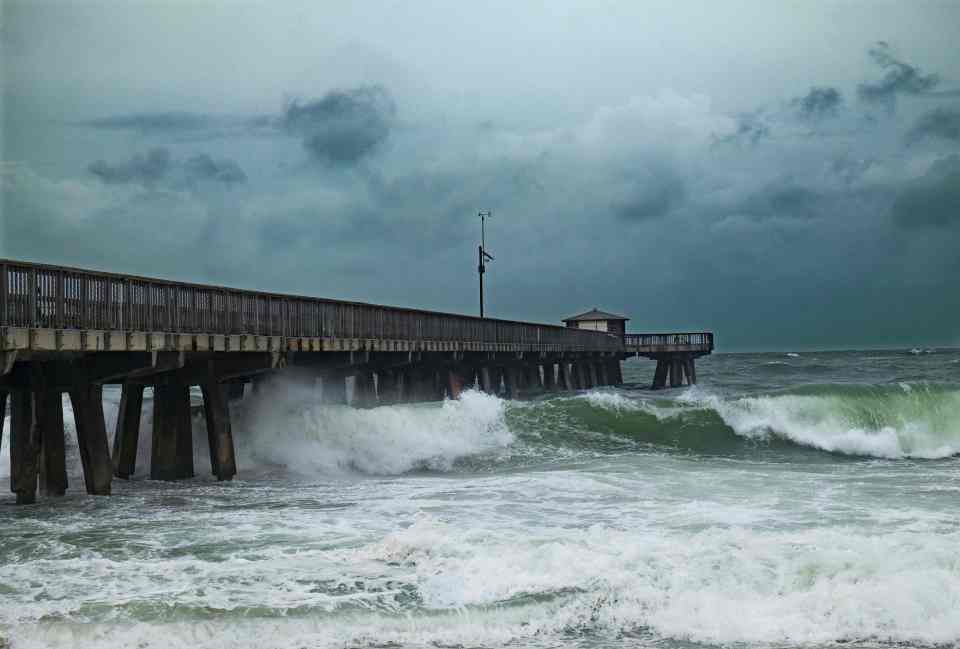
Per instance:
x=69, y=330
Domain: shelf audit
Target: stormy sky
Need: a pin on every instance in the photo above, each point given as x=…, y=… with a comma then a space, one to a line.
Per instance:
x=785, y=174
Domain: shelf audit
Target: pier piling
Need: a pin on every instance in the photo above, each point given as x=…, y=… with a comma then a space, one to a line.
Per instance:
x=87, y=401
x=127, y=435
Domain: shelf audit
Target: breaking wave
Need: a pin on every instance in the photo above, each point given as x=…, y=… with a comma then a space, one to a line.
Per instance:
x=895, y=421
x=290, y=427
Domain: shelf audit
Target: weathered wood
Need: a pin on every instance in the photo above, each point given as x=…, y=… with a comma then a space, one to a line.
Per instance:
x=24, y=447
x=216, y=409
x=172, y=433
x=127, y=435
x=53, y=452
x=87, y=402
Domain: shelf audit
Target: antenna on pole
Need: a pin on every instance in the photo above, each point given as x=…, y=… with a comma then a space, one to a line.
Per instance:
x=482, y=255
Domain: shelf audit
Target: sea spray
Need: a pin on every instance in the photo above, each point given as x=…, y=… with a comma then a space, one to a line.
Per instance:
x=288, y=425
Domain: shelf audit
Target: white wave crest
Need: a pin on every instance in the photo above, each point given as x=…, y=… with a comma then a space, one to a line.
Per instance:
x=288, y=426
x=918, y=422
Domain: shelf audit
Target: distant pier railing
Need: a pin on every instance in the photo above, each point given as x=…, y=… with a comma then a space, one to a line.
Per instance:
x=669, y=342
x=61, y=298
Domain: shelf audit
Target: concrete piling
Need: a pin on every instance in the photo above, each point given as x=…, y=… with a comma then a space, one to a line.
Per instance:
x=486, y=380
x=334, y=388
x=172, y=451
x=87, y=402
x=24, y=447
x=216, y=410
x=53, y=457
x=127, y=435
x=364, y=390
x=3, y=413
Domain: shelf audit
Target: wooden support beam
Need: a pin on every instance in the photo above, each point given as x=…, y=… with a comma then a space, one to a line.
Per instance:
x=127, y=435
x=53, y=453
x=172, y=433
x=216, y=409
x=24, y=447
x=691, y=371
x=87, y=402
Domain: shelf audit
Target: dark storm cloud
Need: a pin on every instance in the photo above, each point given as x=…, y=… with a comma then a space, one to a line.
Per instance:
x=344, y=126
x=900, y=78
x=146, y=170
x=938, y=123
x=819, y=103
x=652, y=198
x=152, y=123
x=157, y=166
x=784, y=200
x=933, y=200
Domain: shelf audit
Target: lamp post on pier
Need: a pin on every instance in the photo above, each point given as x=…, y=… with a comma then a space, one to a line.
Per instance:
x=482, y=255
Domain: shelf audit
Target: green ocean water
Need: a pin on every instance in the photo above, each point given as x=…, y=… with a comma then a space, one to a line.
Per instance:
x=787, y=500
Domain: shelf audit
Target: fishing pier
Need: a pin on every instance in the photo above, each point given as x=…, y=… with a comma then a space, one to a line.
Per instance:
x=72, y=331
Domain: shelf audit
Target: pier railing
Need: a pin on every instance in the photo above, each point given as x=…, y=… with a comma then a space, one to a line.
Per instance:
x=42, y=296
x=700, y=340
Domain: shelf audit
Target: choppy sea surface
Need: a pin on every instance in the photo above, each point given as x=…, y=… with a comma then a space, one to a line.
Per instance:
x=787, y=500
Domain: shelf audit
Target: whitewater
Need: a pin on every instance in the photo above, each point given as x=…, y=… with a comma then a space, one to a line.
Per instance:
x=790, y=499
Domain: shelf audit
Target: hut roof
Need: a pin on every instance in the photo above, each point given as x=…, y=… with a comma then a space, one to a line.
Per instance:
x=595, y=314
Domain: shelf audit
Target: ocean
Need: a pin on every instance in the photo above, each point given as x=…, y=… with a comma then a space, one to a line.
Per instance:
x=807, y=499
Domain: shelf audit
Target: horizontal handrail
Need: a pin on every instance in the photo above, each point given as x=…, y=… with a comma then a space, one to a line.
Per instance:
x=698, y=339
x=41, y=295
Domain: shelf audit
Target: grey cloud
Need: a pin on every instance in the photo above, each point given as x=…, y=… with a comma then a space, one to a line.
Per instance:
x=785, y=199
x=344, y=126
x=152, y=123
x=900, y=78
x=652, y=198
x=157, y=167
x=819, y=103
x=933, y=200
x=750, y=130
x=146, y=170
x=938, y=123
x=203, y=167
